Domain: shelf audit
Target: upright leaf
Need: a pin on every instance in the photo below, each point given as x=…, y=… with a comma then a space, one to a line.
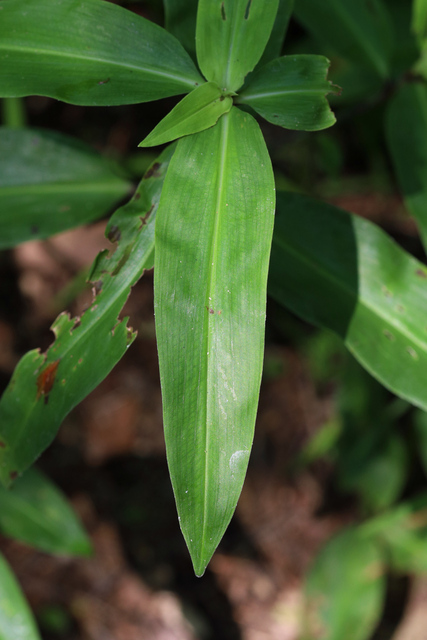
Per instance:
x=406, y=128
x=213, y=235
x=291, y=92
x=360, y=31
x=231, y=36
x=419, y=19
x=88, y=52
x=277, y=36
x=180, y=19
x=35, y=511
x=49, y=183
x=16, y=619
x=46, y=386
x=342, y=272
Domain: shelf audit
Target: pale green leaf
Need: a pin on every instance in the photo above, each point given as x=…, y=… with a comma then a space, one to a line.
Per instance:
x=291, y=92
x=213, y=235
x=345, y=589
x=46, y=386
x=49, y=183
x=342, y=272
x=34, y=511
x=16, y=619
x=358, y=30
x=231, y=36
x=199, y=110
x=406, y=128
x=88, y=52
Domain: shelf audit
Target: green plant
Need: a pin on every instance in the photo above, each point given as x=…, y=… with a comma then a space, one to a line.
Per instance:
x=203, y=216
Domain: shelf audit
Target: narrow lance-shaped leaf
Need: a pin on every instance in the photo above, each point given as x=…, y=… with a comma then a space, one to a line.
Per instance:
x=277, y=36
x=49, y=183
x=213, y=236
x=360, y=31
x=46, y=386
x=180, y=19
x=89, y=52
x=342, y=272
x=419, y=19
x=406, y=128
x=291, y=92
x=16, y=619
x=197, y=111
x=34, y=511
x=231, y=36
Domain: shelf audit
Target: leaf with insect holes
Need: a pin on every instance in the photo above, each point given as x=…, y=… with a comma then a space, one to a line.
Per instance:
x=46, y=386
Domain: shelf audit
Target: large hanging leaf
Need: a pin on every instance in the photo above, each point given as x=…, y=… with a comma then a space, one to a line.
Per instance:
x=406, y=127
x=88, y=52
x=213, y=234
x=345, y=589
x=339, y=271
x=35, y=511
x=231, y=36
x=49, y=183
x=360, y=31
x=16, y=619
x=291, y=92
x=46, y=386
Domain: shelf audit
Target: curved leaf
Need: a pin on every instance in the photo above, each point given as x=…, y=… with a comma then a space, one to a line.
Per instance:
x=16, y=619
x=342, y=272
x=360, y=31
x=34, y=511
x=199, y=110
x=231, y=36
x=213, y=235
x=49, y=183
x=46, y=386
x=291, y=92
x=88, y=52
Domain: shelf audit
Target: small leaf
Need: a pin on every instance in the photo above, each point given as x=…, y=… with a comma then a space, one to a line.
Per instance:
x=49, y=183
x=16, y=619
x=406, y=128
x=213, y=235
x=291, y=92
x=342, y=272
x=90, y=53
x=345, y=589
x=199, y=110
x=231, y=36
x=34, y=511
x=360, y=31
x=46, y=386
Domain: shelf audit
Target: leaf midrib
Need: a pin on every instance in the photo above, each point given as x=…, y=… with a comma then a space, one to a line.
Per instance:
x=273, y=94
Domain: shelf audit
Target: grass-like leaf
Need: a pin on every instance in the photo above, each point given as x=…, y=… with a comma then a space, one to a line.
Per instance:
x=16, y=619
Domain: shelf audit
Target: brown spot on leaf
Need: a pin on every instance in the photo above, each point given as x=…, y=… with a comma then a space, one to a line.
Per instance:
x=13, y=475
x=421, y=273
x=104, y=81
x=46, y=380
x=153, y=172
x=147, y=215
x=114, y=233
x=2, y=445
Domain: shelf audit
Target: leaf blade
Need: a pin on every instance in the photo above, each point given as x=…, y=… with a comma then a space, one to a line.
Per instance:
x=16, y=619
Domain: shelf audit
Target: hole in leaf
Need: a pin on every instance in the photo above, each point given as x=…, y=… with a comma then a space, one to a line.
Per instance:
x=247, y=10
x=223, y=16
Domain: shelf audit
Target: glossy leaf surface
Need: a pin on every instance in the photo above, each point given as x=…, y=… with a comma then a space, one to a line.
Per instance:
x=213, y=235
x=46, y=386
x=360, y=31
x=49, y=183
x=406, y=127
x=339, y=271
x=291, y=92
x=34, y=511
x=231, y=36
x=88, y=52
x=199, y=110
x=345, y=589
x=16, y=619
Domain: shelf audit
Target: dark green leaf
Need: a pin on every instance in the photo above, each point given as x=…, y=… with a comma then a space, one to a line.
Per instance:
x=277, y=36
x=345, y=589
x=199, y=110
x=360, y=31
x=88, y=52
x=46, y=386
x=49, y=183
x=213, y=235
x=231, y=36
x=342, y=272
x=180, y=17
x=291, y=92
x=16, y=619
x=34, y=511
x=419, y=19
